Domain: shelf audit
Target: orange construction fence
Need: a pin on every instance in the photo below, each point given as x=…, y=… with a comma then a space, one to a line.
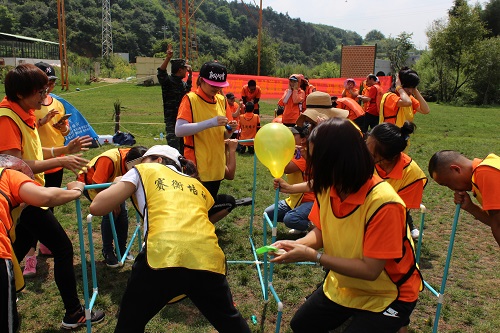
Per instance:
x=273, y=87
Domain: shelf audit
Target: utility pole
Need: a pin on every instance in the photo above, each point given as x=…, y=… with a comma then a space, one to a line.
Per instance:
x=107, y=36
x=61, y=26
x=259, y=39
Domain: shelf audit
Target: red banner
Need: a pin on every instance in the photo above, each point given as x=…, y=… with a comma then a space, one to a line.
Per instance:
x=273, y=87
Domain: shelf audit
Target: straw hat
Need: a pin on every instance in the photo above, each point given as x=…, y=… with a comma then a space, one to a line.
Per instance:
x=319, y=104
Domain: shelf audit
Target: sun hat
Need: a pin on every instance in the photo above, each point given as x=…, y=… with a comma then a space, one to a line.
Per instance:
x=164, y=151
x=47, y=69
x=215, y=74
x=319, y=104
x=12, y=162
x=349, y=80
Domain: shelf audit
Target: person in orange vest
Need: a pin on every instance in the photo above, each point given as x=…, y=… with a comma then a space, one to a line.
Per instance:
x=401, y=103
x=356, y=112
x=350, y=90
x=52, y=131
x=251, y=93
x=279, y=115
x=451, y=169
x=292, y=100
x=17, y=189
x=387, y=142
x=373, y=276
x=249, y=124
x=181, y=256
x=307, y=86
x=234, y=107
x=369, y=98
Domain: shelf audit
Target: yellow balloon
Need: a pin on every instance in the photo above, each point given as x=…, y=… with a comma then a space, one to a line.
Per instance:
x=275, y=147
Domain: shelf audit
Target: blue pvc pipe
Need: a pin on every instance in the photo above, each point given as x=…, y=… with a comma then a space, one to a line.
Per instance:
x=92, y=255
x=280, y=310
x=446, y=267
x=84, y=262
x=419, y=245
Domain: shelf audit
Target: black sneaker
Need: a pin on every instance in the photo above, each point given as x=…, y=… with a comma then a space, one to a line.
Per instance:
x=244, y=202
x=111, y=260
x=78, y=319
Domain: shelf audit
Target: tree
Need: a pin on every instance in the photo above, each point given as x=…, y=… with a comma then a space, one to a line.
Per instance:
x=485, y=72
x=454, y=47
x=244, y=58
x=397, y=50
x=490, y=15
x=8, y=21
x=374, y=35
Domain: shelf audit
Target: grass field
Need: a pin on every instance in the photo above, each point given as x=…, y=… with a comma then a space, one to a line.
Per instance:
x=472, y=298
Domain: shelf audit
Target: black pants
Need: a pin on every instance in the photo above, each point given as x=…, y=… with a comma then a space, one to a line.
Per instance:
x=370, y=122
x=9, y=321
x=40, y=224
x=149, y=290
x=170, y=118
x=320, y=314
x=52, y=180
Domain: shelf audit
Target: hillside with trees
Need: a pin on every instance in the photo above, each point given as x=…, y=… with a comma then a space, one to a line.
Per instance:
x=462, y=65
x=221, y=28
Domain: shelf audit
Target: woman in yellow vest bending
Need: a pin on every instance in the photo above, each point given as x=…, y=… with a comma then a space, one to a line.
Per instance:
x=181, y=256
x=360, y=224
x=386, y=142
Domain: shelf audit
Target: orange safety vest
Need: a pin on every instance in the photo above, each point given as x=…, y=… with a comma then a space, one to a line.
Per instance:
x=347, y=103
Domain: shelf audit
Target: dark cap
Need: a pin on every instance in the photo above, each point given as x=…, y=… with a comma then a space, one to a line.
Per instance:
x=177, y=64
x=293, y=78
x=214, y=73
x=230, y=95
x=47, y=69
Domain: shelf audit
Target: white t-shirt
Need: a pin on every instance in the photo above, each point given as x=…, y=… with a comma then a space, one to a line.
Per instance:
x=132, y=176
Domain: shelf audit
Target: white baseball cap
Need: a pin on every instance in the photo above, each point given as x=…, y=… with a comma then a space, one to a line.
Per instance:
x=165, y=151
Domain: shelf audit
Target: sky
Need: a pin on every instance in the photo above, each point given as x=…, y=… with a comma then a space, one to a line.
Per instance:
x=389, y=17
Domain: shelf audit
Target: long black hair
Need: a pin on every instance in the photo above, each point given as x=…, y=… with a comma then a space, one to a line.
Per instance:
x=339, y=157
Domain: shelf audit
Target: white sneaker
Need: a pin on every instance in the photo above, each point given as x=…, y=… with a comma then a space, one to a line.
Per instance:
x=130, y=257
x=415, y=233
x=296, y=232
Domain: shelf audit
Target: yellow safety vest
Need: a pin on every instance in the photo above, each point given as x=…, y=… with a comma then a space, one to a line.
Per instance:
x=345, y=237
x=31, y=148
x=209, y=145
x=295, y=199
x=179, y=232
x=491, y=160
x=49, y=135
x=411, y=174
x=116, y=155
x=394, y=114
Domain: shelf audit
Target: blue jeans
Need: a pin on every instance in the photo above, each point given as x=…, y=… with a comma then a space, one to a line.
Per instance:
x=293, y=218
x=121, y=226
